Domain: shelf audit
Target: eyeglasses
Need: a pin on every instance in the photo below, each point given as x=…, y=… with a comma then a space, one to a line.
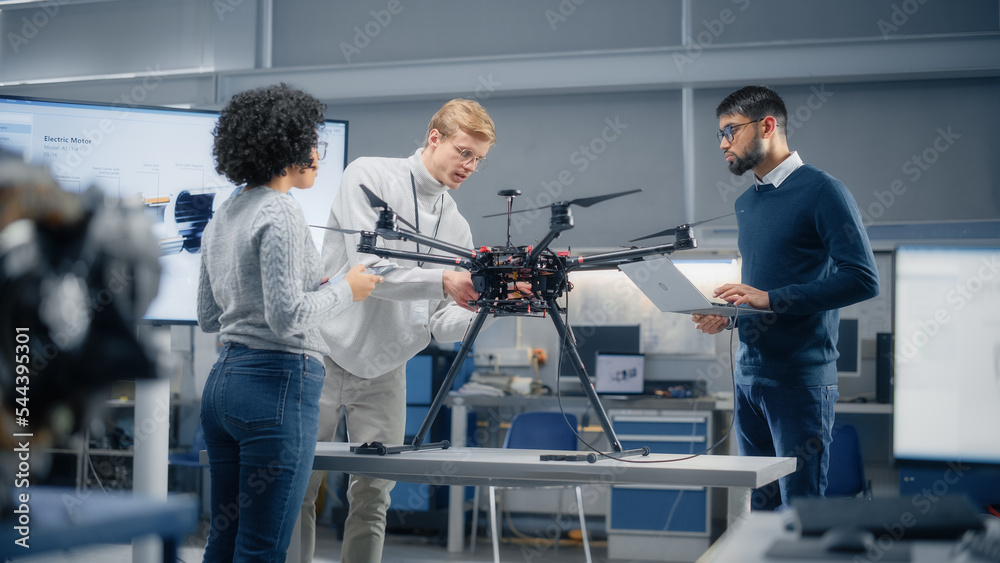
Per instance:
x=321, y=149
x=468, y=156
x=729, y=130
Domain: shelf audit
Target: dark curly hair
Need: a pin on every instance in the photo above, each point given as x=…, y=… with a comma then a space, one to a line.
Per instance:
x=262, y=131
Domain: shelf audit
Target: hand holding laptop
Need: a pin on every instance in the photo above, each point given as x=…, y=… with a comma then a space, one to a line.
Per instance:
x=710, y=324
x=670, y=290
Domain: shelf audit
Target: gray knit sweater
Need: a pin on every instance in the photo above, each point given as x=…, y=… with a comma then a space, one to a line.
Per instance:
x=397, y=320
x=260, y=276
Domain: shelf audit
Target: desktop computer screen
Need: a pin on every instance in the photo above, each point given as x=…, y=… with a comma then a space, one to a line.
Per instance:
x=162, y=157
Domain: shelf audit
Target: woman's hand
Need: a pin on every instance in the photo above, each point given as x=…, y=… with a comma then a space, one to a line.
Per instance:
x=361, y=283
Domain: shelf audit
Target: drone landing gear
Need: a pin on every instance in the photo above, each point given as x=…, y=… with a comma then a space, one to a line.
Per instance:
x=566, y=337
x=378, y=448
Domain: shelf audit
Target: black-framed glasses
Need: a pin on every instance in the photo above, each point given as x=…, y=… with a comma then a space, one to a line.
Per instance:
x=468, y=156
x=321, y=150
x=728, y=131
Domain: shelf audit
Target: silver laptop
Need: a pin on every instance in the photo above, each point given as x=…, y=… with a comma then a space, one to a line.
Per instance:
x=670, y=290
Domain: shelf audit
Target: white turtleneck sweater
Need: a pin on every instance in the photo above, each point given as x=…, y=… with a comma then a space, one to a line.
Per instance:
x=397, y=320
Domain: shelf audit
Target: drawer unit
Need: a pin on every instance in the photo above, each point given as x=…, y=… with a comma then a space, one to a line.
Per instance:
x=666, y=523
x=659, y=509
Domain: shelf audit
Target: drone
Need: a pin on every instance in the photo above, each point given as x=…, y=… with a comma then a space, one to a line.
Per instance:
x=496, y=269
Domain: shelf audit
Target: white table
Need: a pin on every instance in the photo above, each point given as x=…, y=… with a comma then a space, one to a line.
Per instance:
x=460, y=466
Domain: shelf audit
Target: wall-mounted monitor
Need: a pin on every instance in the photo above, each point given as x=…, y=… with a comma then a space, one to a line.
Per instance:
x=947, y=354
x=162, y=157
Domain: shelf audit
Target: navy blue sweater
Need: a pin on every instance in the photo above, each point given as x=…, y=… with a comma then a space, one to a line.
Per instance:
x=804, y=244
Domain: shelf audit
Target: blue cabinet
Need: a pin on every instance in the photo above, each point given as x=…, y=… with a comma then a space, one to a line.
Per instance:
x=658, y=522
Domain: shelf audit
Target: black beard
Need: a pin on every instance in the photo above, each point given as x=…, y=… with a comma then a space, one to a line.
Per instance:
x=755, y=155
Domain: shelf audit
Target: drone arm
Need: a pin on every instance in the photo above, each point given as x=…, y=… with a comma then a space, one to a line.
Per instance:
x=425, y=258
x=630, y=255
x=541, y=246
x=427, y=241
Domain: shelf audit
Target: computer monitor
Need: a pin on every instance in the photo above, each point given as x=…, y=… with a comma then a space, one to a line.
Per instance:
x=849, y=346
x=161, y=156
x=619, y=374
x=593, y=339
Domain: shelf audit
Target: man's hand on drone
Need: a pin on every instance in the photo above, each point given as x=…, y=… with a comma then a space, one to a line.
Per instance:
x=459, y=286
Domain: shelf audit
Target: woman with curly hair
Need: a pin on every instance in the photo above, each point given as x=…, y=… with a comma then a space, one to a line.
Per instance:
x=260, y=287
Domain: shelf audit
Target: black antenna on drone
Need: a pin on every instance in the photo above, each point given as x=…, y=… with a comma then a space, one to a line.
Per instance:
x=510, y=195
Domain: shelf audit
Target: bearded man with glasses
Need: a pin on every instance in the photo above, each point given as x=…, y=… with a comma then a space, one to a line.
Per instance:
x=805, y=255
x=370, y=345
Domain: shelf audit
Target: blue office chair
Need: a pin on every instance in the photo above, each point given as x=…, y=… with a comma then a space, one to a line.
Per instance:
x=535, y=431
x=846, y=476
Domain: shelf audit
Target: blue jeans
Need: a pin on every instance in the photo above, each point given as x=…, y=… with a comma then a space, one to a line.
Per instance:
x=787, y=422
x=260, y=413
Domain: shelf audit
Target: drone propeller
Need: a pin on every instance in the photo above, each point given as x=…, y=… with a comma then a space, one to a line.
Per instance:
x=376, y=201
x=339, y=230
x=582, y=202
x=673, y=231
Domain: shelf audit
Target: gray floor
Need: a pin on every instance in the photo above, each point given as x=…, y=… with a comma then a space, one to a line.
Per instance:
x=398, y=549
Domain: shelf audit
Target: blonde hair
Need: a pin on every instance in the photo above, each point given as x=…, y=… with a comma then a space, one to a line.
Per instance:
x=466, y=115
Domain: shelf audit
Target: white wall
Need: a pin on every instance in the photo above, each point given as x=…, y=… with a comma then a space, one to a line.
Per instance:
x=870, y=84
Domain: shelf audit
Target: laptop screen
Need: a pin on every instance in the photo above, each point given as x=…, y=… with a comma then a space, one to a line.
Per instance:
x=619, y=374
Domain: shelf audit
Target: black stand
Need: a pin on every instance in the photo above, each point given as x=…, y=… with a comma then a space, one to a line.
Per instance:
x=377, y=448
x=566, y=337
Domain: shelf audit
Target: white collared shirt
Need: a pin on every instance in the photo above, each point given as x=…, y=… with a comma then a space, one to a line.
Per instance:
x=782, y=171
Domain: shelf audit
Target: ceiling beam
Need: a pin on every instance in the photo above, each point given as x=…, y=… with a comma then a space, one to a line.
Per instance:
x=930, y=57
x=667, y=68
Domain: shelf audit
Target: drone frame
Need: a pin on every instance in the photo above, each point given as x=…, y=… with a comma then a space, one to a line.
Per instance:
x=493, y=269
